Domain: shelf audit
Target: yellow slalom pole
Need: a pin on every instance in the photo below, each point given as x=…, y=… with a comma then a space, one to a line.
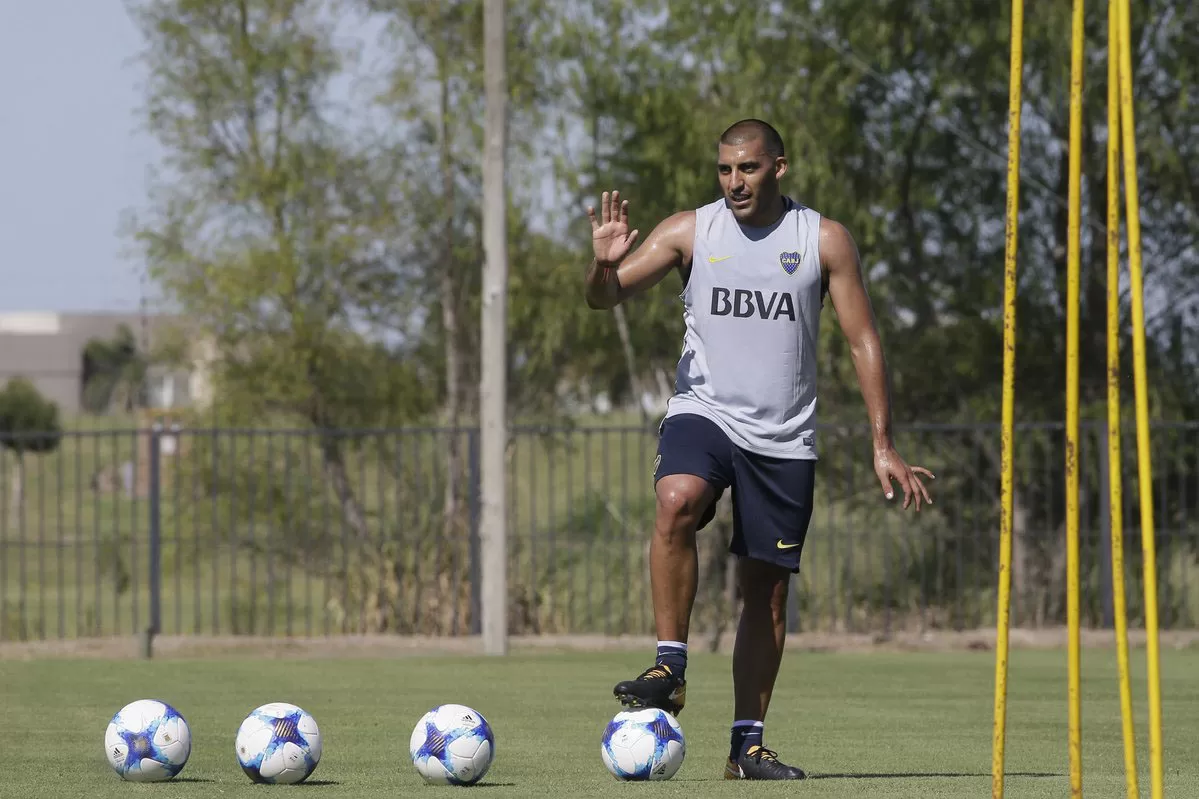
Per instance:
x=1140, y=383
x=1004, y=589
x=1115, y=471
x=1073, y=242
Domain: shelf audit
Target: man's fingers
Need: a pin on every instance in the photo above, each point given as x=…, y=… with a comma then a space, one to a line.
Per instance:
x=612, y=209
x=902, y=476
x=909, y=481
x=920, y=485
x=632, y=239
x=885, y=479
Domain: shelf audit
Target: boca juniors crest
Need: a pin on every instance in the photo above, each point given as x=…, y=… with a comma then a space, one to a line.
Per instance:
x=790, y=261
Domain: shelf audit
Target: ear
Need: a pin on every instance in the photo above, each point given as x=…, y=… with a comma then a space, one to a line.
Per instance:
x=780, y=167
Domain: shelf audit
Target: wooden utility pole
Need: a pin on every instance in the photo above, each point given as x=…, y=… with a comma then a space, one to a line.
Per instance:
x=493, y=388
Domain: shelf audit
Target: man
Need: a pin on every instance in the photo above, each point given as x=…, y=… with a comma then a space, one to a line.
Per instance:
x=755, y=267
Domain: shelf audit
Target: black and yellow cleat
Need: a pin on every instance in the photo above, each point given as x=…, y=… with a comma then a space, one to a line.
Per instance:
x=759, y=763
x=657, y=686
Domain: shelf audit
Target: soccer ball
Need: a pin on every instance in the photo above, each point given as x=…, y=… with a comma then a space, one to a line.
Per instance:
x=278, y=743
x=147, y=741
x=645, y=744
x=452, y=745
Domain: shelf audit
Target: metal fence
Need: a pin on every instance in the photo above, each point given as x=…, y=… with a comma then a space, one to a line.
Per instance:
x=290, y=532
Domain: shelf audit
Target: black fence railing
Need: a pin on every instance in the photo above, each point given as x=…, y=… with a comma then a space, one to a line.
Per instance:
x=301, y=532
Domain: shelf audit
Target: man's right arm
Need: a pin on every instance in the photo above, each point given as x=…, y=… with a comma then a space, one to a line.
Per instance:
x=667, y=247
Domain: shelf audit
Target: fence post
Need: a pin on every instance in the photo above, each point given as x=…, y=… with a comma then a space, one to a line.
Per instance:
x=476, y=570
x=155, y=490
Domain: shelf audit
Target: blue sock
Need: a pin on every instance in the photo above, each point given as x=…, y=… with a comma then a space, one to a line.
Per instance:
x=745, y=734
x=674, y=655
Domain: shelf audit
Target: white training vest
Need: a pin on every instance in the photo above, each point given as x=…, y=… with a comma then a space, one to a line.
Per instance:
x=752, y=312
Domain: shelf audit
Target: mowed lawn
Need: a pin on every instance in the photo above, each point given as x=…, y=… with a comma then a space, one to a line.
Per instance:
x=865, y=724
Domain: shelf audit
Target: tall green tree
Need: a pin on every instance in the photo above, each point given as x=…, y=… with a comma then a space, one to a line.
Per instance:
x=630, y=116
x=440, y=43
x=895, y=119
x=271, y=225
x=435, y=97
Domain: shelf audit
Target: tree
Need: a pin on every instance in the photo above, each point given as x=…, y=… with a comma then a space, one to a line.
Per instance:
x=894, y=115
x=442, y=32
x=639, y=131
x=113, y=370
x=29, y=425
x=270, y=223
x=436, y=96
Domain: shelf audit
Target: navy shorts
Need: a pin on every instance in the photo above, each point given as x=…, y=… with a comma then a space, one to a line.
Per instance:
x=772, y=497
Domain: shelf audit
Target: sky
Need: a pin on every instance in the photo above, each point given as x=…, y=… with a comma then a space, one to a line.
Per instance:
x=72, y=157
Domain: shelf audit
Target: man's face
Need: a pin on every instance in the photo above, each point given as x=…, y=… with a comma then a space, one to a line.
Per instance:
x=749, y=178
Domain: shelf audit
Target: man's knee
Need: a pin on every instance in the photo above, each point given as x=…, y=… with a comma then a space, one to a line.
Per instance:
x=678, y=503
x=682, y=499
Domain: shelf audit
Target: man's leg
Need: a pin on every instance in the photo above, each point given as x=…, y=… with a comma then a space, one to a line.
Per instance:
x=772, y=501
x=758, y=650
x=673, y=558
x=756, y=658
x=674, y=575
x=693, y=469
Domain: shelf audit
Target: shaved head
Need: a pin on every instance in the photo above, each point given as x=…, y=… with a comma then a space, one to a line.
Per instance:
x=750, y=163
x=748, y=130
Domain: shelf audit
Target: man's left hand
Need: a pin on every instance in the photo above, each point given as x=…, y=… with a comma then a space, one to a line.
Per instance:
x=889, y=466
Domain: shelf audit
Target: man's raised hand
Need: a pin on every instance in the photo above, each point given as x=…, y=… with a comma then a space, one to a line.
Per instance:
x=610, y=235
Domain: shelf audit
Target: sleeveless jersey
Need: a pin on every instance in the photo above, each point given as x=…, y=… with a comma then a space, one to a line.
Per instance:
x=751, y=307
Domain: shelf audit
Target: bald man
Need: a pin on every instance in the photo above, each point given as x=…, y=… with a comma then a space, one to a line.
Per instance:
x=755, y=267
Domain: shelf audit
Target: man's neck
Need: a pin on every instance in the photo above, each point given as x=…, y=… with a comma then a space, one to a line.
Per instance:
x=769, y=215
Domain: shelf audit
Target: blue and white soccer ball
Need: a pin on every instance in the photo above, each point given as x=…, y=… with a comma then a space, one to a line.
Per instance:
x=147, y=741
x=278, y=743
x=645, y=744
x=452, y=745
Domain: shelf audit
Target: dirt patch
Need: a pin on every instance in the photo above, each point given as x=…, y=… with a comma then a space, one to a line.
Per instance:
x=381, y=646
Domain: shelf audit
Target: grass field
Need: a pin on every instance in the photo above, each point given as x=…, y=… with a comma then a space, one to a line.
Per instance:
x=865, y=724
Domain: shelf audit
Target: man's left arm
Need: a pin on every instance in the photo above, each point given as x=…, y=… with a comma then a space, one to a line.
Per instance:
x=841, y=264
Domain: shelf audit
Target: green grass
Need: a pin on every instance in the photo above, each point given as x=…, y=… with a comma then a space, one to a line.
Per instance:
x=865, y=724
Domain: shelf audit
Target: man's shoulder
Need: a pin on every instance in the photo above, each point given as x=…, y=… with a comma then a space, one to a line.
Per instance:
x=837, y=245
x=685, y=217
x=711, y=216
x=834, y=232
x=678, y=228
x=707, y=212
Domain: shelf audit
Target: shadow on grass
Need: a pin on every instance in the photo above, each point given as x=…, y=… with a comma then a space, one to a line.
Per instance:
x=916, y=775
